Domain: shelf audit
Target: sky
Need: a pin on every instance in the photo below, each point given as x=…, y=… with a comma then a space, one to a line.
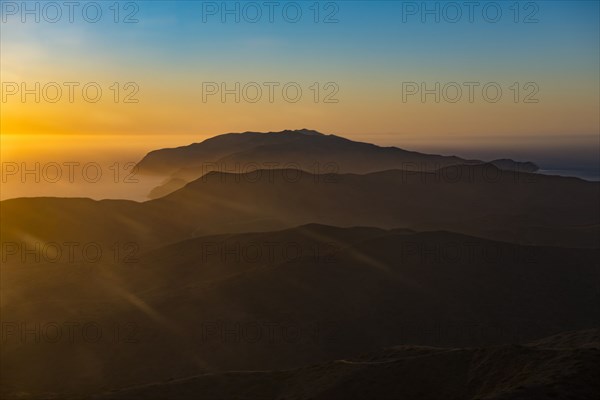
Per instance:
x=361, y=67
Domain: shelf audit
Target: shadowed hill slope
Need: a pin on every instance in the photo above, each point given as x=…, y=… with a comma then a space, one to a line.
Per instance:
x=480, y=200
x=530, y=371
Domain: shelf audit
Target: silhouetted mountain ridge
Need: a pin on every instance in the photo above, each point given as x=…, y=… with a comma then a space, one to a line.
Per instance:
x=304, y=149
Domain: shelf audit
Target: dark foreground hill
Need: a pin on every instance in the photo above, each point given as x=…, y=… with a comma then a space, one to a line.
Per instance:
x=282, y=300
x=303, y=149
x=546, y=370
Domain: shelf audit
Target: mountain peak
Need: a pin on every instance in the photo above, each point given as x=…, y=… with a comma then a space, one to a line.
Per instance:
x=302, y=131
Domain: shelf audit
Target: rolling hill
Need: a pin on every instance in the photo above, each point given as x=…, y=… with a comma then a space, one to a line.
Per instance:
x=479, y=200
x=283, y=300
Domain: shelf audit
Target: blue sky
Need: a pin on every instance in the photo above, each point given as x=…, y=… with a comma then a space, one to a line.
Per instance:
x=372, y=49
